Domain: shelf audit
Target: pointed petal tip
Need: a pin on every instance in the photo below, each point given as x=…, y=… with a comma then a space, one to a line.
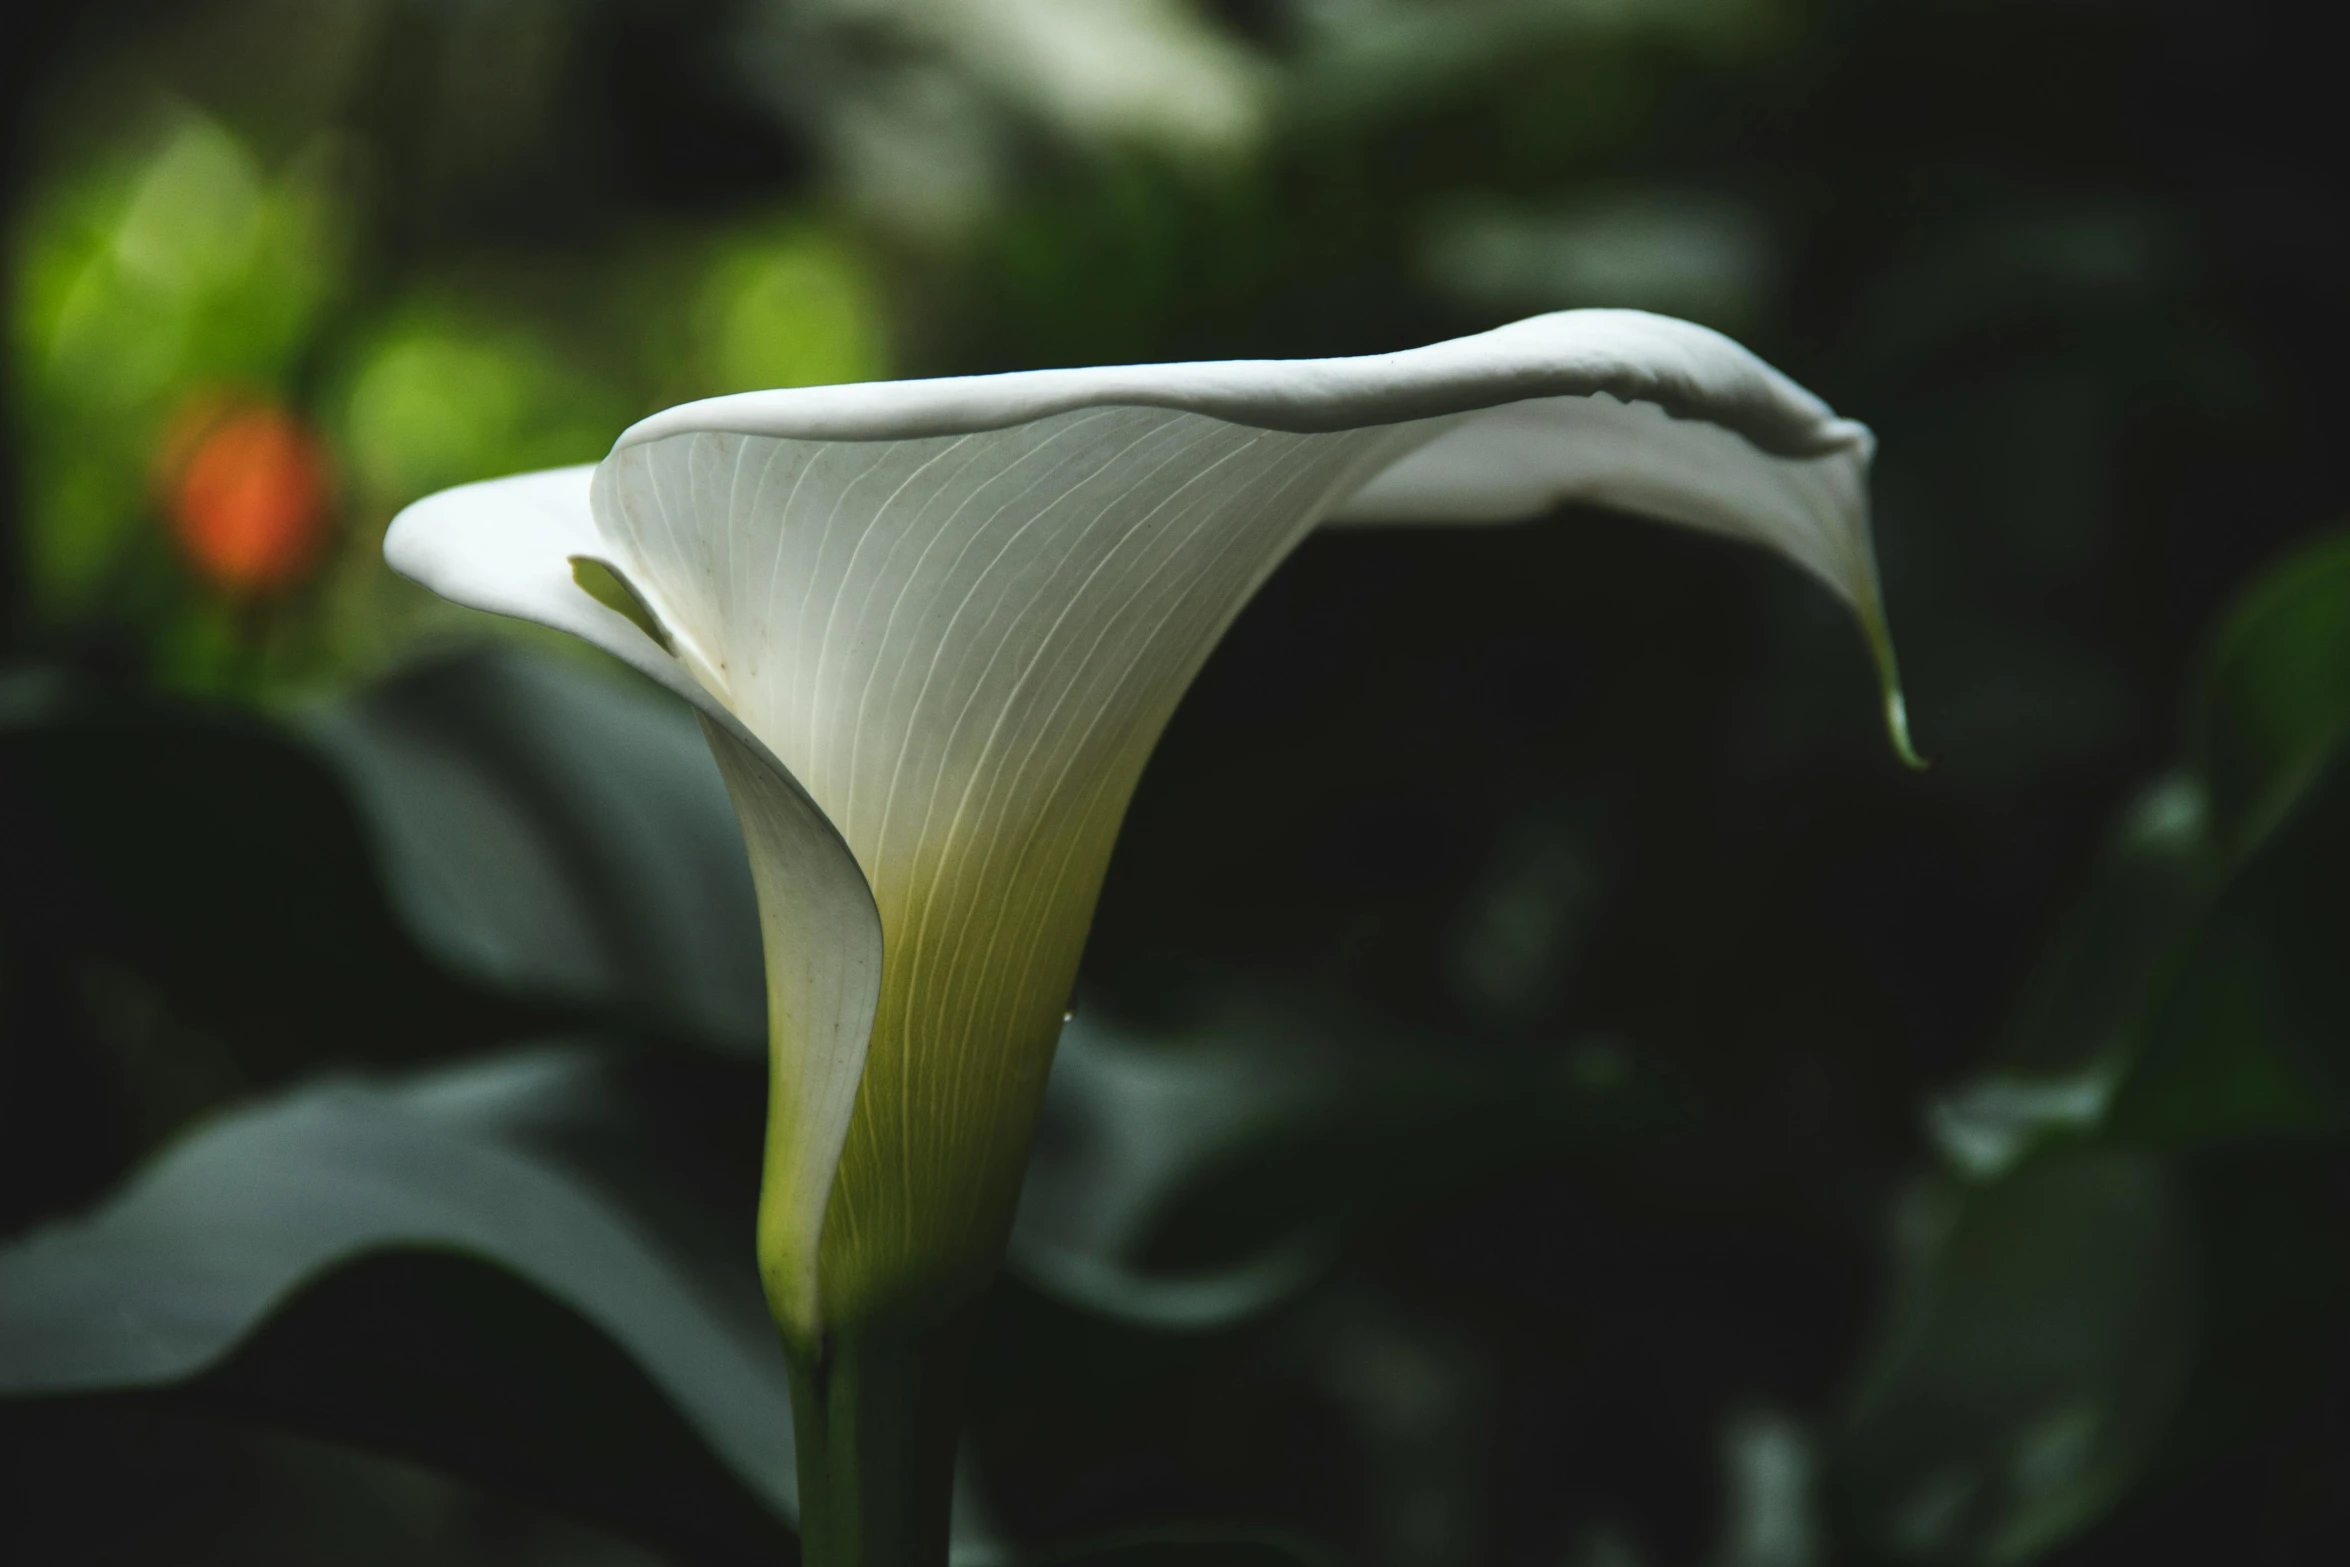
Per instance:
x=1896, y=706
x=1897, y=731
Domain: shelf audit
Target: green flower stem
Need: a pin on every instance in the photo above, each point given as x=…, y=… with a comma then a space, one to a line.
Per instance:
x=877, y=1410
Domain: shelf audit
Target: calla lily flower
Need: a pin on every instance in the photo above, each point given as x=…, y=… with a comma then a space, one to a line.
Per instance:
x=934, y=628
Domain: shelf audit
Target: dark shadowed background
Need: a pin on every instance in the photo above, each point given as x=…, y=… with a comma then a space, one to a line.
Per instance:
x=1547, y=1086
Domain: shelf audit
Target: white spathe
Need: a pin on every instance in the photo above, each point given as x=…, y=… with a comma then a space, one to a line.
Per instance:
x=935, y=627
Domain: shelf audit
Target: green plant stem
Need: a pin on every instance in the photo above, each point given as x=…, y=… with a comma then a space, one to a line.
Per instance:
x=877, y=1409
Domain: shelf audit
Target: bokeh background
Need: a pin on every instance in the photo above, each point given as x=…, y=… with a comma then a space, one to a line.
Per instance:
x=1548, y=1087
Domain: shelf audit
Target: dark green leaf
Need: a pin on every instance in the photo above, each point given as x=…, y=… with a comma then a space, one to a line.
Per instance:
x=555, y=831
x=2032, y=1353
x=1193, y=1178
x=431, y=1269
x=1129, y=1123
x=2254, y=1037
x=2086, y=1006
x=208, y=852
x=2195, y=990
x=2274, y=701
x=109, y=1483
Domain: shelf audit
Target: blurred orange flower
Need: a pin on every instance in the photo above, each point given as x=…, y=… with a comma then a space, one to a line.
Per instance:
x=247, y=488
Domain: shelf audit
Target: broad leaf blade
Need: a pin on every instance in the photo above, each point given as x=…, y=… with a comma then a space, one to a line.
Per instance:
x=1196, y=1177
x=2031, y=1357
x=2095, y=992
x=385, y=1264
x=553, y=831
x=2249, y=1040
x=244, y=886
x=2275, y=697
x=1129, y=1123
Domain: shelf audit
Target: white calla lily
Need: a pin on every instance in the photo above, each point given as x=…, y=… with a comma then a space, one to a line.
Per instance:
x=934, y=629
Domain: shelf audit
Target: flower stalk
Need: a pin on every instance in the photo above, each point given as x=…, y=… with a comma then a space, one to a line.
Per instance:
x=877, y=1412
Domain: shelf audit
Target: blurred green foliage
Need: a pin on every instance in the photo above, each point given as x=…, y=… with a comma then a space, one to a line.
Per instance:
x=173, y=267
x=173, y=262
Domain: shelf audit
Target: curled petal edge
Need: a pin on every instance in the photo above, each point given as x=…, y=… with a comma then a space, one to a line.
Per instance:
x=1515, y=462
x=1657, y=416
x=510, y=546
